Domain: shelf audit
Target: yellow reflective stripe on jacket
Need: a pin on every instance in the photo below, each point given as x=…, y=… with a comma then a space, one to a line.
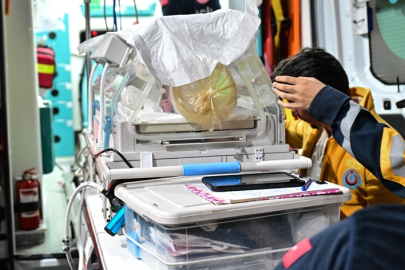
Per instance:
x=392, y=159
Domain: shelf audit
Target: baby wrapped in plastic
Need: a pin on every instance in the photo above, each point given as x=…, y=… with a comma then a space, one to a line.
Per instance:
x=208, y=104
x=208, y=101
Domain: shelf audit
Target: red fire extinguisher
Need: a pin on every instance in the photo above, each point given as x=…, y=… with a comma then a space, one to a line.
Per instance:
x=28, y=198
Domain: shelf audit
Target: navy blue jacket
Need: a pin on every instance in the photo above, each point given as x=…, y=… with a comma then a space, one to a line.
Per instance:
x=376, y=146
x=373, y=238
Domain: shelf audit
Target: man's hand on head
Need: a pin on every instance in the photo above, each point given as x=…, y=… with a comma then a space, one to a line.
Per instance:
x=298, y=91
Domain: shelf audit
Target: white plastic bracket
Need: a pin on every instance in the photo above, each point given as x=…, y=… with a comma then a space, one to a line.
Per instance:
x=359, y=17
x=146, y=160
x=259, y=154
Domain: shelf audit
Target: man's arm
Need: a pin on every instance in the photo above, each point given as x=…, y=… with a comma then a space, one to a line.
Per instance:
x=377, y=147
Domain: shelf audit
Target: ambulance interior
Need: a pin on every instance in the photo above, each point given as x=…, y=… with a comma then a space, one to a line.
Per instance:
x=113, y=116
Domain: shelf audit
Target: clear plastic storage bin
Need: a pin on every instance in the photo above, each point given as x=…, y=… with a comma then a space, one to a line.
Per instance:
x=255, y=242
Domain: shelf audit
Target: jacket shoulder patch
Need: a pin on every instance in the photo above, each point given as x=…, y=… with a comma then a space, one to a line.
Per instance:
x=351, y=179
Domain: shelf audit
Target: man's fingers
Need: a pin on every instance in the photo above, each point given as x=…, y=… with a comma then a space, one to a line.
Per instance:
x=287, y=105
x=287, y=79
x=284, y=95
x=284, y=87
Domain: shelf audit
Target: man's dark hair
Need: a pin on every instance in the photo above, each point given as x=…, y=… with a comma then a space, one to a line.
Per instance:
x=316, y=63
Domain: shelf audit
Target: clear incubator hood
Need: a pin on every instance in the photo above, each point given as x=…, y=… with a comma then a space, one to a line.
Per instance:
x=172, y=87
x=235, y=104
x=234, y=101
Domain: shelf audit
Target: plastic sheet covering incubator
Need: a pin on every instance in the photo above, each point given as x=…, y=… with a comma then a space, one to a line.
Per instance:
x=185, y=97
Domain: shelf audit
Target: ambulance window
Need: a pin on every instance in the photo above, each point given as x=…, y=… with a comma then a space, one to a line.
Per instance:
x=387, y=41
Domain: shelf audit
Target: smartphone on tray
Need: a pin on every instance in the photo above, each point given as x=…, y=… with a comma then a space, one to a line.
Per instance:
x=252, y=181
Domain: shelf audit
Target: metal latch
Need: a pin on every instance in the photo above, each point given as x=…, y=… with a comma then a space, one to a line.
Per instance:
x=259, y=154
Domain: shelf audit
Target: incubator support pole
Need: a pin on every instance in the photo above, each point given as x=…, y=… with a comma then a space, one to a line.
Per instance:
x=171, y=171
x=88, y=36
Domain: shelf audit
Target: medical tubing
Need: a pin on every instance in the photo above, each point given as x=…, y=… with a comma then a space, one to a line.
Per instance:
x=86, y=178
x=77, y=158
x=102, y=106
x=115, y=17
x=90, y=99
x=66, y=240
x=117, y=152
x=79, y=242
x=136, y=12
x=106, y=150
x=78, y=224
x=211, y=168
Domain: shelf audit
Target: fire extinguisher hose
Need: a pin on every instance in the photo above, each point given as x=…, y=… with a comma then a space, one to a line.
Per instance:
x=66, y=239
